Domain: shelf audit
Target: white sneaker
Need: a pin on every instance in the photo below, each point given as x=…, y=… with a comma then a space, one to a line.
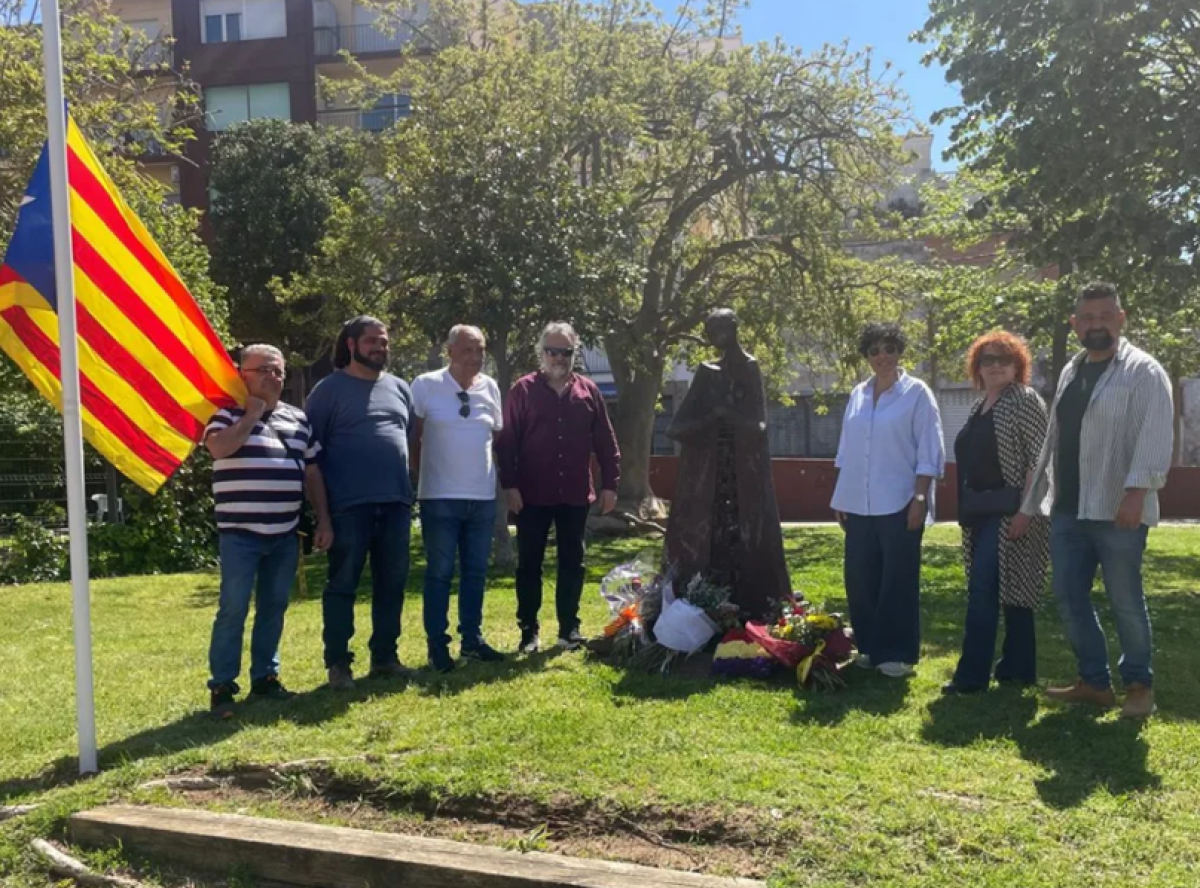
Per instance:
x=897, y=670
x=862, y=661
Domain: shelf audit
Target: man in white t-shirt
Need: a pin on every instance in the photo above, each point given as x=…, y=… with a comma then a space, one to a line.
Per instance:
x=458, y=414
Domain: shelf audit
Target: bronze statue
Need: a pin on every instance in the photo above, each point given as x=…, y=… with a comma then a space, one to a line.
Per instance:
x=724, y=520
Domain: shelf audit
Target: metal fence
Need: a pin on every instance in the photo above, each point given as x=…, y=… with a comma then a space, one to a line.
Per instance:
x=810, y=427
x=34, y=486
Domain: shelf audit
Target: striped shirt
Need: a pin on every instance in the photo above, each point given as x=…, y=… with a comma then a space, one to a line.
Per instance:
x=260, y=488
x=1126, y=439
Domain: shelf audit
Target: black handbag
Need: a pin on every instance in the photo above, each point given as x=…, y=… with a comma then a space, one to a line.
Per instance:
x=974, y=505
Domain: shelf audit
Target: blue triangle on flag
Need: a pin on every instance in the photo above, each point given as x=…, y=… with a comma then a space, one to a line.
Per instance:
x=31, y=250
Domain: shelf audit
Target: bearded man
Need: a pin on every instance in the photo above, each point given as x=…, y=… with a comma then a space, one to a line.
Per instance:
x=554, y=421
x=362, y=417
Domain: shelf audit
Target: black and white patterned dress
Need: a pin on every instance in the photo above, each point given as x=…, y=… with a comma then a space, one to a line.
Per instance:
x=1020, y=418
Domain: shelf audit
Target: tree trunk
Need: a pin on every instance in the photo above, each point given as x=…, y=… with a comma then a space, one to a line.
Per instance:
x=633, y=420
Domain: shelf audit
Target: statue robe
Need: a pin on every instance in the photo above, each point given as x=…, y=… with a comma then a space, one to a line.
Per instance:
x=724, y=520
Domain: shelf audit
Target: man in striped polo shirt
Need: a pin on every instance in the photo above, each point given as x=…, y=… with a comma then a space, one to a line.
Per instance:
x=264, y=461
x=1106, y=455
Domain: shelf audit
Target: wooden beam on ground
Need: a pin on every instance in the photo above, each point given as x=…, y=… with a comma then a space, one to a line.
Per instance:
x=309, y=854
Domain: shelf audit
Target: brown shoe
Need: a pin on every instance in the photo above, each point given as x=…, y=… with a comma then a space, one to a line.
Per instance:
x=341, y=678
x=1139, y=702
x=1082, y=692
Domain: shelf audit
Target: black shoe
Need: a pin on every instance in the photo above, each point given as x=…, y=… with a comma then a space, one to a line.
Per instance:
x=530, y=643
x=269, y=687
x=394, y=669
x=952, y=689
x=1018, y=683
x=440, y=659
x=220, y=700
x=571, y=641
x=483, y=652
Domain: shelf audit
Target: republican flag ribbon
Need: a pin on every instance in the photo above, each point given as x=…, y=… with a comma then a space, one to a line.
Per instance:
x=152, y=370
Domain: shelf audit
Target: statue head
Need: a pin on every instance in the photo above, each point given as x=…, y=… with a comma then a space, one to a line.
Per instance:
x=721, y=328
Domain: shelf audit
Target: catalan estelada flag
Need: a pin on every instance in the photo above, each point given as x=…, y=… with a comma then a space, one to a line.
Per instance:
x=152, y=371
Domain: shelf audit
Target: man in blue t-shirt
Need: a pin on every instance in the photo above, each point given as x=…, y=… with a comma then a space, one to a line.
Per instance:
x=361, y=417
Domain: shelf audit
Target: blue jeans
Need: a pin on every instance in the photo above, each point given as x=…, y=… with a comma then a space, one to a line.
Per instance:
x=456, y=531
x=1019, y=659
x=883, y=586
x=1076, y=549
x=381, y=530
x=246, y=557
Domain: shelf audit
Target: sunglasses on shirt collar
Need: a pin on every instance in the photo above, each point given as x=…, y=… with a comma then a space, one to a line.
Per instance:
x=465, y=410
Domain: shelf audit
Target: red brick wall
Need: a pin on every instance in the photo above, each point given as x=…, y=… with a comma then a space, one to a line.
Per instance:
x=804, y=487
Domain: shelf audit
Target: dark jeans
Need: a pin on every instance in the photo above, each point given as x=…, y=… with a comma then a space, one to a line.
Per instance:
x=1076, y=549
x=246, y=557
x=381, y=530
x=883, y=582
x=456, y=530
x=1019, y=659
x=533, y=528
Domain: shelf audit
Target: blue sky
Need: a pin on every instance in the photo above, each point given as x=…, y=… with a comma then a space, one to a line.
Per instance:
x=883, y=25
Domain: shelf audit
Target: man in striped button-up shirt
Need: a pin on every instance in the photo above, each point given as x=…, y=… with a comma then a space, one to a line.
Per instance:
x=1107, y=452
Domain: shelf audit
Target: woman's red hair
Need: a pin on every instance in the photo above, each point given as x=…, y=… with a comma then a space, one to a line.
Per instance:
x=1010, y=344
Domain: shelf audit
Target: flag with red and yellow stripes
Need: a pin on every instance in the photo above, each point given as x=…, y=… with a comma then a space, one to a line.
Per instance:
x=152, y=371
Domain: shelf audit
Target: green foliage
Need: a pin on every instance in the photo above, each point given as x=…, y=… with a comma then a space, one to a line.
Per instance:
x=1080, y=117
x=277, y=185
x=169, y=532
x=596, y=162
x=33, y=553
x=118, y=108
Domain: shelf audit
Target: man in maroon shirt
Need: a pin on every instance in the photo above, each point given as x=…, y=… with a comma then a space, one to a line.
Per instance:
x=554, y=420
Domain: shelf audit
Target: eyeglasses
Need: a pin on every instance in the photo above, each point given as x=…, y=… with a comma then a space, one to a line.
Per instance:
x=559, y=352
x=989, y=360
x=277, y=372
x=465, y=410
x=887, y=348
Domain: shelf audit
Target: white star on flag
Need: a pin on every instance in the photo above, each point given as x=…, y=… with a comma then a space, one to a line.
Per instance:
x=27, y=199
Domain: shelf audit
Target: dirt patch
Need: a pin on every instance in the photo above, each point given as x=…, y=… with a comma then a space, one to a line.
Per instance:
x=740, y=842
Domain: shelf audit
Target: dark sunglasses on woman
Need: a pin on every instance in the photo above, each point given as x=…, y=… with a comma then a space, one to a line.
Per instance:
x=887, y=348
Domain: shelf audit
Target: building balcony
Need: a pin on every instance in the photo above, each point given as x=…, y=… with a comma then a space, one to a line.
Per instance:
x=376, y=120
x=361, y=40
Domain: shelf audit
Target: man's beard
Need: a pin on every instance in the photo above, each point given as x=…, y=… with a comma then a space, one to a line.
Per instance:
x=556, y=372
x=367, y=361
x=1097, y=340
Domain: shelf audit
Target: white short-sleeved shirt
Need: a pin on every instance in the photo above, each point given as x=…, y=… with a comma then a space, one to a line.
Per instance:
x=456, y=451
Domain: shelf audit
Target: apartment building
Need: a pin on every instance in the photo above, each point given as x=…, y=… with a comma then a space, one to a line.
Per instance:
x=263, y=59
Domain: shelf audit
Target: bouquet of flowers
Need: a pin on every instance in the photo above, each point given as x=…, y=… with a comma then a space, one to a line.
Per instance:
x=805, y=638
x=630, y=590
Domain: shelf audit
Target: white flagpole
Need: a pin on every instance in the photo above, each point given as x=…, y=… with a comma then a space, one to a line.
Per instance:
x=64, y=278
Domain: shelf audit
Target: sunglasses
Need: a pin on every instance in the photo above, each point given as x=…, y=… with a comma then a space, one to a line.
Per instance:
x=265, y=371
x=887, y=348
x=989, y=360
x=559, y=352
x=465, y=410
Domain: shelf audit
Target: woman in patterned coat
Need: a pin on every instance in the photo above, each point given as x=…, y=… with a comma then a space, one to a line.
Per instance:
x=997, y=449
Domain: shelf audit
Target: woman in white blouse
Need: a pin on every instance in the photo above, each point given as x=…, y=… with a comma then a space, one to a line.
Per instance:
x=888, y=458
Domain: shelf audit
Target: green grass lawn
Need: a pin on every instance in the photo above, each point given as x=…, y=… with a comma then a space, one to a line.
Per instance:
x=883, y=784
